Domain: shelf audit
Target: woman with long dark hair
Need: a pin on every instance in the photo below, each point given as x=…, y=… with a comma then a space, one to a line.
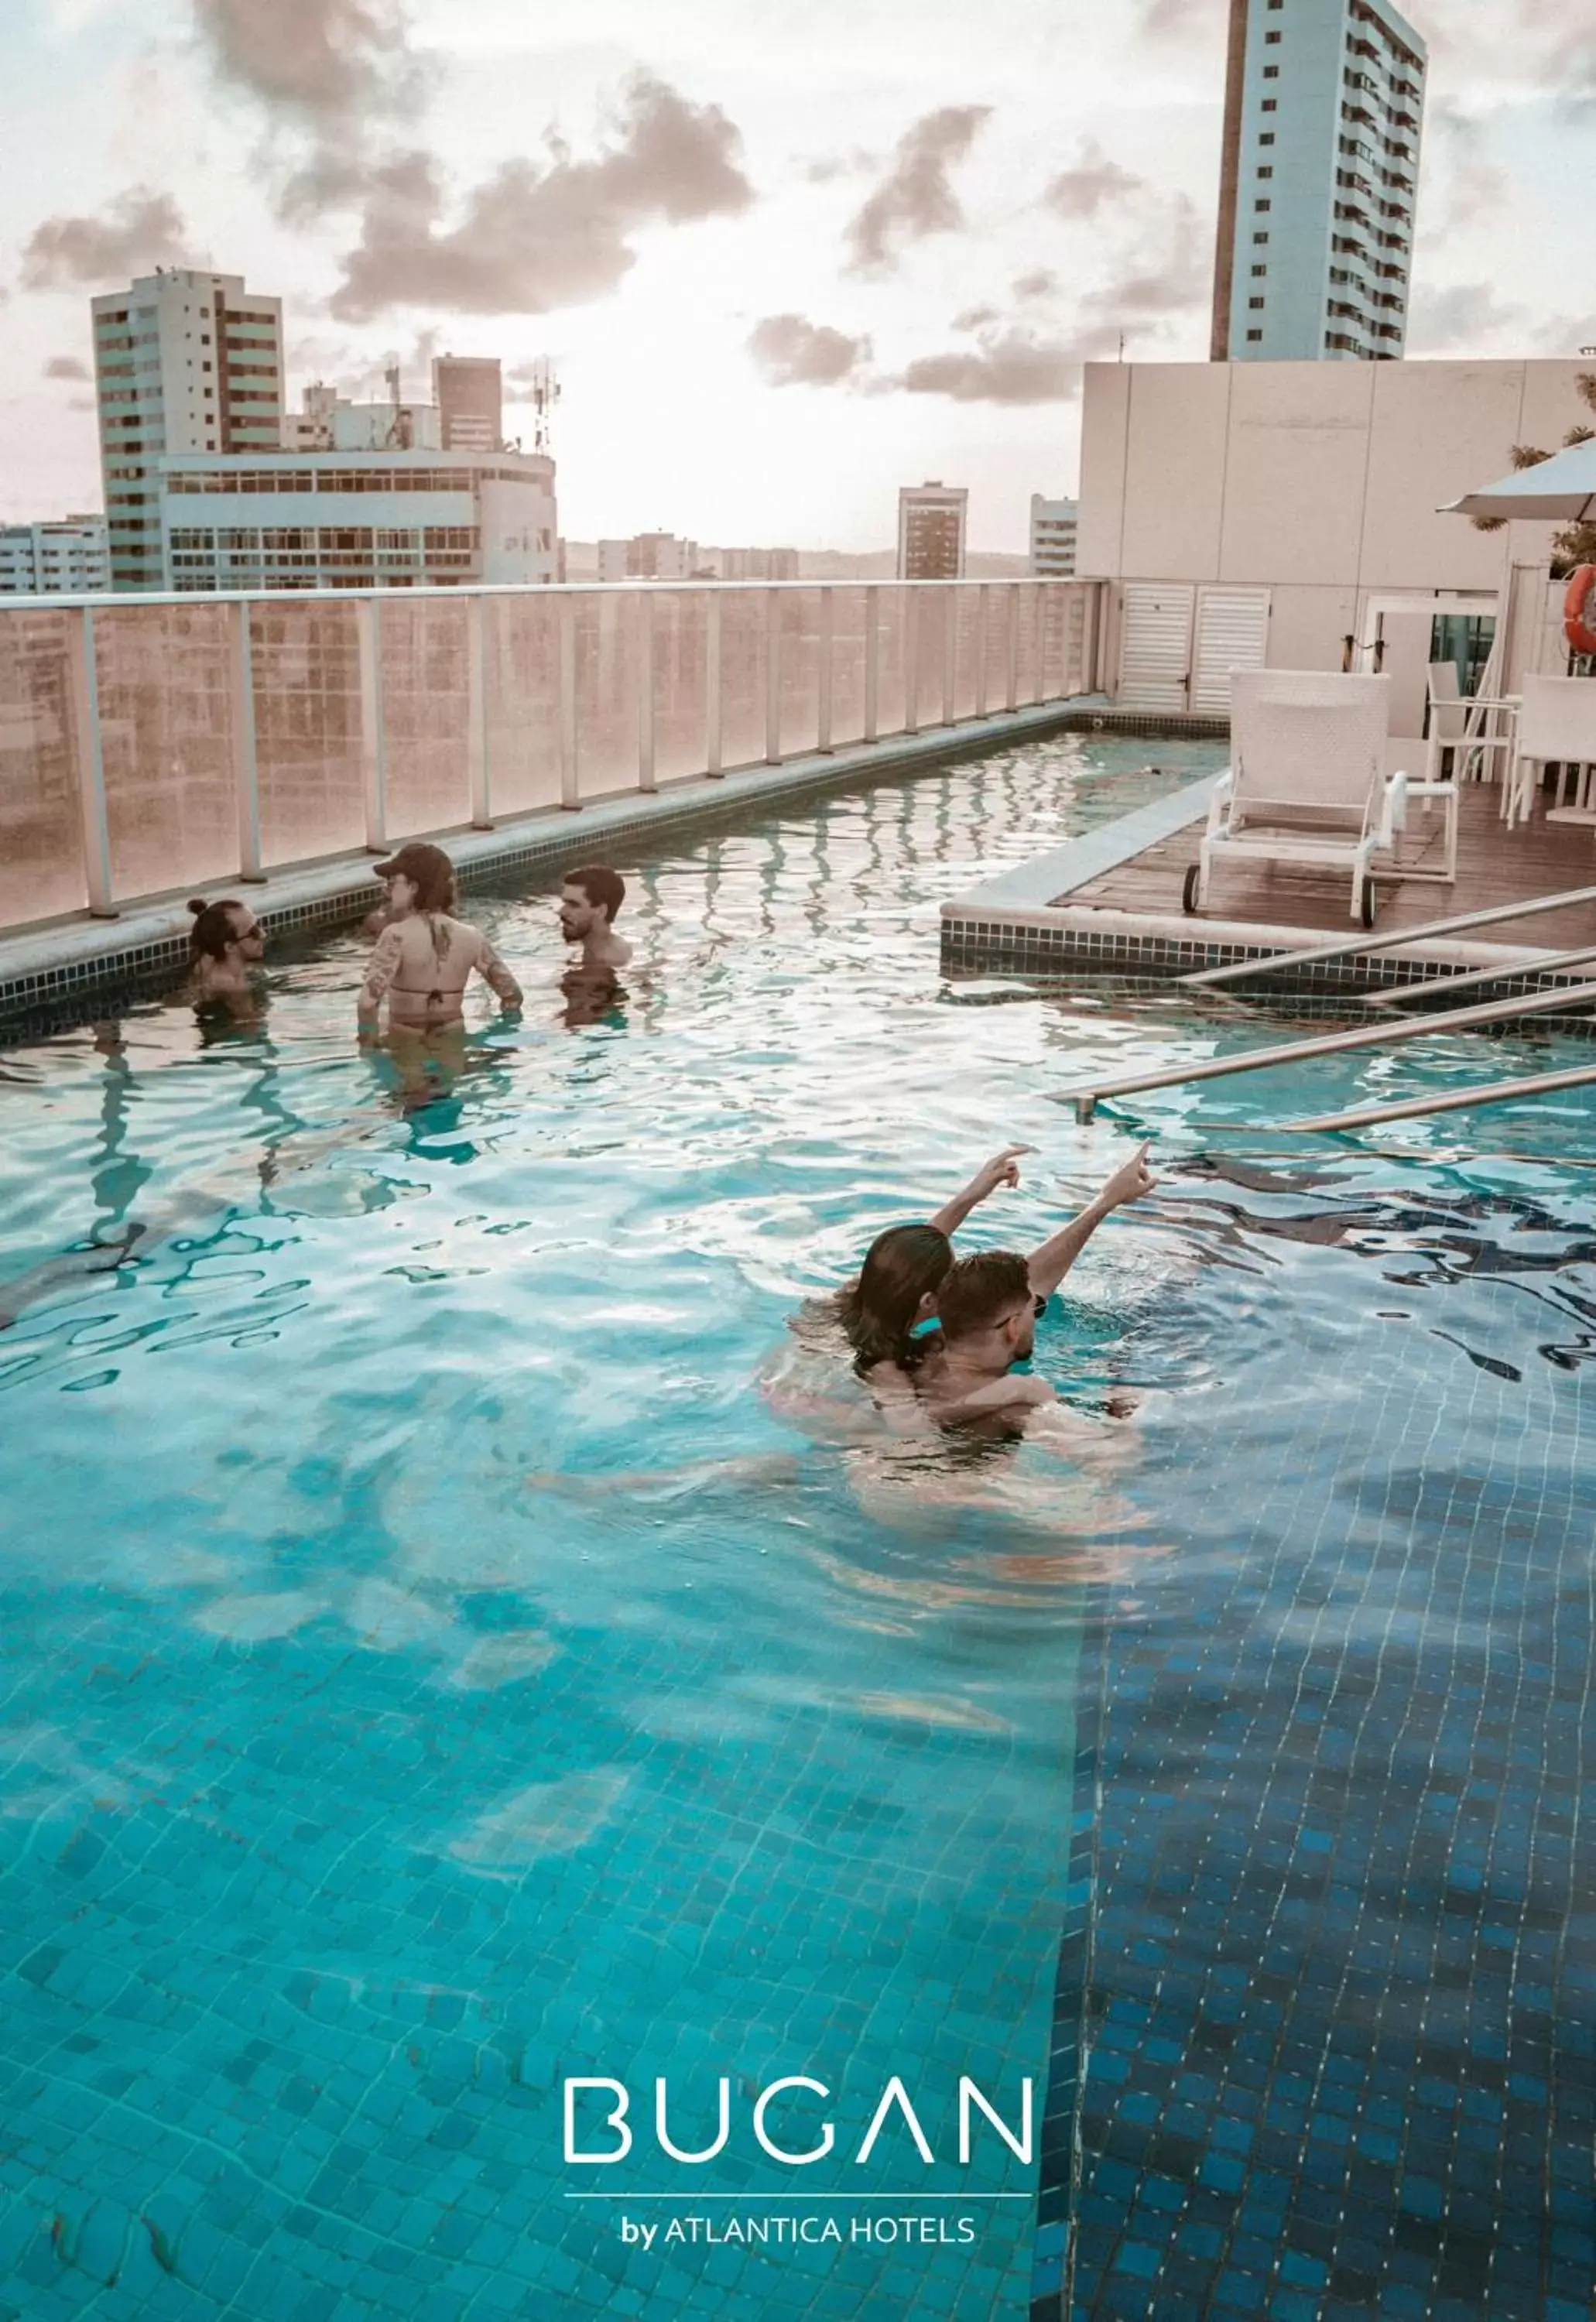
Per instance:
x=878, y=1319
x=894, y=1292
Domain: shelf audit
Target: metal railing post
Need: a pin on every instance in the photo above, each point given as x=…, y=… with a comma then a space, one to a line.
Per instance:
x=823, y=705
x=479, y=766
x=873, y=661
x=911, y=660
x=246, y=764
x=982, y=616
x=373, y=748
x=772, y=677
x=645, y=692
x=89, y=763
x=1011, y=648
x=569, y=787
x=713, y=720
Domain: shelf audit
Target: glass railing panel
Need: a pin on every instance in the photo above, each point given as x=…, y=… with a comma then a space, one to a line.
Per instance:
x=40, y=829
x=606, y=668
x=164, y=673
x=890, y=641
x=426, y=712
x=798, y=613
x=1000, y=611
x=681, y=623
x=742, y=677
x=1028, y=621
x=847, y=665
x=307, y=728
x=933, y=619
x=521, y=647
x=964, y=611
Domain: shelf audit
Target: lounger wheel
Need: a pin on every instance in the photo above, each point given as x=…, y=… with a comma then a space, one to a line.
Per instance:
x=1367, y=903
x=1188, y=890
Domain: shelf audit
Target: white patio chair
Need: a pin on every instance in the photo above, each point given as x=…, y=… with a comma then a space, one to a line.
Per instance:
x=1556, y=726
x=1465, y=725
x=1307, y=783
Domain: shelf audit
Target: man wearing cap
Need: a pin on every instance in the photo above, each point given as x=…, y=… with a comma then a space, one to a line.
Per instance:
x=424, y=957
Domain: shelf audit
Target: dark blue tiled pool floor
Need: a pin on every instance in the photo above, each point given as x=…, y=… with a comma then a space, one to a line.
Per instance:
x=1340, y=2017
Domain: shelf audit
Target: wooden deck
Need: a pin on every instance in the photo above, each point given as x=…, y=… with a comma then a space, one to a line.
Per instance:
x=1494, y=865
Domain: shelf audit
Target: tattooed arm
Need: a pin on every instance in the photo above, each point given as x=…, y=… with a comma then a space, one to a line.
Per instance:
x=380, y=974
x=494, y=972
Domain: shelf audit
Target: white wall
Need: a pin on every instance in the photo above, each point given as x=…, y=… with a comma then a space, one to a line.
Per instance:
x=1320, y=480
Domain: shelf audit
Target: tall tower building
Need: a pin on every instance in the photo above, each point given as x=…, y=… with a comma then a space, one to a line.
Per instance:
x=931, y=532
x=184, y=360
x=468, y=391
x=1323, y=103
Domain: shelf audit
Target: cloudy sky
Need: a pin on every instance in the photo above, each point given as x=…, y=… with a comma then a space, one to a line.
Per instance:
x=783, y=258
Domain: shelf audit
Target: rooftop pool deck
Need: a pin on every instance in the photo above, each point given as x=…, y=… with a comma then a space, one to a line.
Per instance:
x=1111, y=901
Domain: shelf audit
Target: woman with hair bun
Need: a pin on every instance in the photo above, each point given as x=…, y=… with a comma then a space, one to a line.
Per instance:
x=225, y=945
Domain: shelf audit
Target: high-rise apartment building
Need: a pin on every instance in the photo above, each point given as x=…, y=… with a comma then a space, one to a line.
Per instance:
x=468, y=391
x=1053, y=524
x=931, y=532
x=66, y=555
x=184, y=360
x=1324, y=105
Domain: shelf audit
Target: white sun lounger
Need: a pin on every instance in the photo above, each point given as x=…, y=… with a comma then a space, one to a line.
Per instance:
x=1307, y=783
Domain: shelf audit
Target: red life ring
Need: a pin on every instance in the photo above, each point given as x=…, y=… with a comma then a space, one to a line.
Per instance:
x=1580, y=634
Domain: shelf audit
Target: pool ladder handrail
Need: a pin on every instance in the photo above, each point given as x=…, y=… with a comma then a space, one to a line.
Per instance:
x=1571, y=998
x=1273, y=963
x=1453, y=1101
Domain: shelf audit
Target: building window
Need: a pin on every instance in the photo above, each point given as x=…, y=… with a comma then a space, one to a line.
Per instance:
x=1271, y=105
x=1255, y=302
x=1259, y=240
x=1252, y=337
x=1260, y=205
x=1265, y=137
x=1271, y=39
x=1271, y=72
x=1260, y=269
x=1267, y=171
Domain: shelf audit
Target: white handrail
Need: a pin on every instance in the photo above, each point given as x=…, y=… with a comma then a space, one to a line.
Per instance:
x=1454, y=1101
x=1344, y=948
x=1575, y=997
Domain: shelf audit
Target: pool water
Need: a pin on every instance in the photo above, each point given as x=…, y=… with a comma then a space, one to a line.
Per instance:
x=433, y=1669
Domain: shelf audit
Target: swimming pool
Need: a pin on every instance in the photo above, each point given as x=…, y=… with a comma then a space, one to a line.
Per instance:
x=432, y=1672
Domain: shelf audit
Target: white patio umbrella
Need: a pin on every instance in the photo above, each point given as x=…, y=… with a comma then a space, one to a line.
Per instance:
x=1558, y=490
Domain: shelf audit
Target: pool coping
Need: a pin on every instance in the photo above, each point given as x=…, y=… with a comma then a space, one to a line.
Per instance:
x=69, y=959
x=1023, y=921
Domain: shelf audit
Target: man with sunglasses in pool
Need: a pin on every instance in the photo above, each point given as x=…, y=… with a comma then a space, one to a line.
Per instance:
x=988, y=1305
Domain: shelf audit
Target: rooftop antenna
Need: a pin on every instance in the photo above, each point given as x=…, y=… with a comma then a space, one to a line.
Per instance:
x=545, y=395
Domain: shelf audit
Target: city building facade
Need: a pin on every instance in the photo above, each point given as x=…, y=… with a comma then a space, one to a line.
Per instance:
x=186, y=361
x=330, y=422
x=753, y=564
x=931, y=521
x=1053, y=526
x=1294, y=510
x=1323, y=110
x=648, y=556
x=66, y=553
x=364, y=519
x=470, y=394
